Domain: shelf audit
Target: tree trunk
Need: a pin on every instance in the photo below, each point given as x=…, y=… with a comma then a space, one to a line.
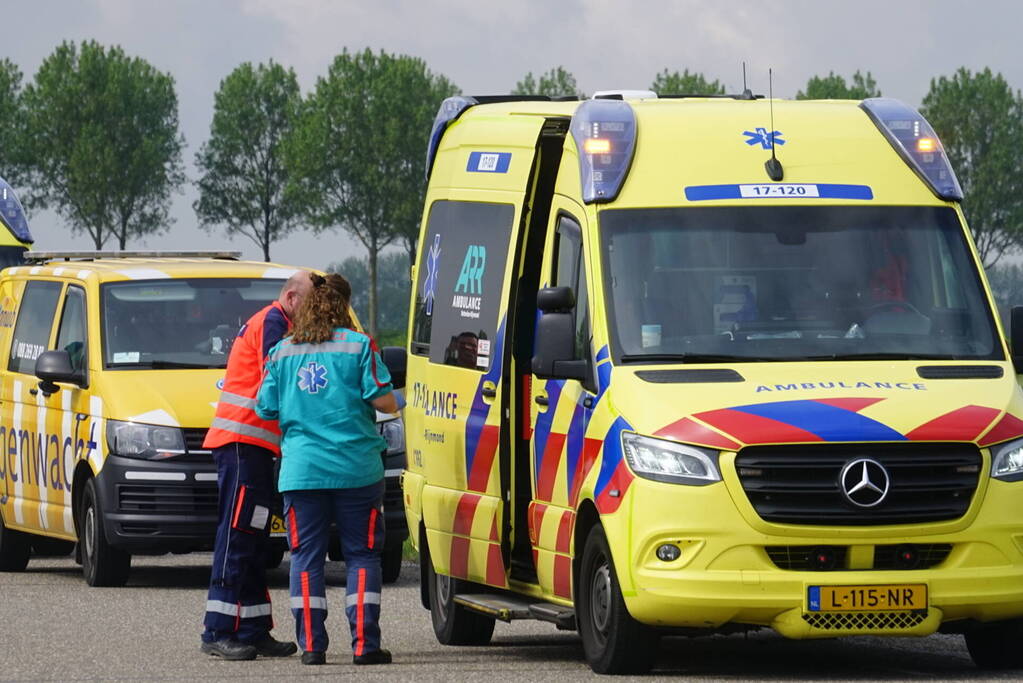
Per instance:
x=373, y=249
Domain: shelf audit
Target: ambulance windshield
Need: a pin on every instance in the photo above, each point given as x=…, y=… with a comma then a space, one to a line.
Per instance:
x=784, y=283
x=180, y=323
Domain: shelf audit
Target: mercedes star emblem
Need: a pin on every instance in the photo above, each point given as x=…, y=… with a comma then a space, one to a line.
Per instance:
x=864, y=482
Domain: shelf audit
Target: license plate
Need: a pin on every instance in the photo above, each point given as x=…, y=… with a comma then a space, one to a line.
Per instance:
x=910, y=596
x=277, y=528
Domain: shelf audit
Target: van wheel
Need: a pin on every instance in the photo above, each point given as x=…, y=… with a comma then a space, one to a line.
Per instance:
x=390, y=563
x=102, y=564
x=15, y=547
x=452, y=623
x=613, y=641
x=996, y=645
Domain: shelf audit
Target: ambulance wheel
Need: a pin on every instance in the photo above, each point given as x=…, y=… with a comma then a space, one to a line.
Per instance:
x=102, y=564
x=997, y=645
x=452, y=623
x=15, y=547
x=390, y=563
x=613, y=641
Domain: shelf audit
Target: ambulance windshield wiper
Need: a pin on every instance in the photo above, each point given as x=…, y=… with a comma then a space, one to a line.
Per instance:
x=692, y=358
x=882, y=356
x=168, y=365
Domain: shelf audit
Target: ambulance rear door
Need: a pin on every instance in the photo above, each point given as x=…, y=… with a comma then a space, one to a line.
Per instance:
x=457, y=415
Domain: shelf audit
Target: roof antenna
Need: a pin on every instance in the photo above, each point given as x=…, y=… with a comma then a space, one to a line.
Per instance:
x=773, y=167
x=747, y=94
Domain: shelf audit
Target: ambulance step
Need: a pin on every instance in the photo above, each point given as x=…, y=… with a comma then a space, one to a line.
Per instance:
x=559, y=615
x=508, y=607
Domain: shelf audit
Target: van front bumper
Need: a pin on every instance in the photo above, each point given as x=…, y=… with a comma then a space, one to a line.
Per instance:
x=725, y=574
x=154, y=506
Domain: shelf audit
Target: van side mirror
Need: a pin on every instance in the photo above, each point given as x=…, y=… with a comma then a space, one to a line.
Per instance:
x=396, y=361
x=53, y=367
x=554, y=355
x=1016, y=338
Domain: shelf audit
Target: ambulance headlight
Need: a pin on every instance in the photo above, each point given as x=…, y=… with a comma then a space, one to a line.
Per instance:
x=393, y=432
x=149, y=442
x=915, y=141
x=670, y=461
x=1007, y=461
x=605, y=135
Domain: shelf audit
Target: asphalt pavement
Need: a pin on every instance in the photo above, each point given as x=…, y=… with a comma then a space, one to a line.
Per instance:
x=54, y=627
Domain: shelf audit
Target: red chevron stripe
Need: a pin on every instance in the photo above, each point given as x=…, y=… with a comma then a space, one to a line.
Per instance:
x=549, y=466
x=853, y=404
x=565, y=532
x=688, y=431
x=1009, y=427
x=464, y=514
x=964, y=424
x=754, y=428
x=486, y=449
x=459, y=557
x=495, y=566
x=591, y=447
x=563, y=576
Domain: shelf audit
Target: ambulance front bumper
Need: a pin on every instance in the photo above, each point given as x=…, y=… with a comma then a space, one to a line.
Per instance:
x=736, y=570
x=153, y=506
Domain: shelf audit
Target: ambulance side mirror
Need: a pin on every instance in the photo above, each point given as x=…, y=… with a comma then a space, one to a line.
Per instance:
x=554, y=355
x=396, y=361
x=1016, y=338
x=53, y=367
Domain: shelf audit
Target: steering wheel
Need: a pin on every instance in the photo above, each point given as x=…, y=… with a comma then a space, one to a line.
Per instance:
x=892, y=306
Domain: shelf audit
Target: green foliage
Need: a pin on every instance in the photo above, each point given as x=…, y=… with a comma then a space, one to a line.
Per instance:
x=243, y=172
x=833, y=87
x=104, y=147
x=979, y=120
x=358, y=154
x=12, y=162
x=557, y=82
x=394, y=290
x=685, y=83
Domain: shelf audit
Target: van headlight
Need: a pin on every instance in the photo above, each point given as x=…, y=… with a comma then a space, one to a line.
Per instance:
x=1007, y=461
x=393, y=432
x=670, y=461
x=149, y=442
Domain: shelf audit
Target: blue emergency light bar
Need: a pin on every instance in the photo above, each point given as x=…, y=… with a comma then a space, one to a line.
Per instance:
x=605, y=135
x=12, y=214
x=916, y=142
x=450, y=109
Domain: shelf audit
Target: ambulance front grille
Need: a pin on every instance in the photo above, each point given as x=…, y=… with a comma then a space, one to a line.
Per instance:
x=860, y=621
x=194, y=438
x=193, y=499
x=799, y=484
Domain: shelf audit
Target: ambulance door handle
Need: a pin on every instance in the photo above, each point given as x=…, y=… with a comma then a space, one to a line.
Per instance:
x=542, y=401
x=489, y=390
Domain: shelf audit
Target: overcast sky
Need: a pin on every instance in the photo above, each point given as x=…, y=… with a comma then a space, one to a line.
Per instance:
x=485, y=47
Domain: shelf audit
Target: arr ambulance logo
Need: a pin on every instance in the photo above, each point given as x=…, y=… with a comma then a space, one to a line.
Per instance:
x=312, y=377
x=469, y=288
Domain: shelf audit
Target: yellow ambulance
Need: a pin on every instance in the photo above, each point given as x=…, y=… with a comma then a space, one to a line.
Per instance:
x=113, y=365
x=674, y=368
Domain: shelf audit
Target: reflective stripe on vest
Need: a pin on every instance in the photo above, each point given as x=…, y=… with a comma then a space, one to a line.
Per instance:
x=243, y=429
x=236, y=400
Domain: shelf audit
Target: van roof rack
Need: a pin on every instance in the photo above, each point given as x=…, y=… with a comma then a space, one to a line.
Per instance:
x=38, y=256
x=747, y=95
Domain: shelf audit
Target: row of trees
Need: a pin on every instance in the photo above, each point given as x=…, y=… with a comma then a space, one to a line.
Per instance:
x=95, y=137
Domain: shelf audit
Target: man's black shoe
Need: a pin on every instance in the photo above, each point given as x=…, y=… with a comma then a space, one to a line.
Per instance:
x=375, y=657
x=314, y=657
x=229, y=649
x=271, y=647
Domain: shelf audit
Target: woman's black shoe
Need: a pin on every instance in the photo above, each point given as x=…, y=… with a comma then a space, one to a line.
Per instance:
x=376, y=657
x=229, y=649
x=314, y=657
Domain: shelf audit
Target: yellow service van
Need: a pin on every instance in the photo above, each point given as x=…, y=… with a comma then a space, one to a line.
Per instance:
x=114, y=363
x=673, y=368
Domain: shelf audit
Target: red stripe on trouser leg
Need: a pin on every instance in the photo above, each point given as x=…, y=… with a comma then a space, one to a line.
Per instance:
x=372, y=527
x=238, y=507
x=271, y=613
x=238, y=618
x=307, y=613
x=293, y=528
x=360, y=640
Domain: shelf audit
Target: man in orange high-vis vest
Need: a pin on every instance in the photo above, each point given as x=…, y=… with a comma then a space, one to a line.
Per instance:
x=238, y=611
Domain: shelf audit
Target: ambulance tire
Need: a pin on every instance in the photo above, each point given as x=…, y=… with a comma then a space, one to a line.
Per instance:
x=15, y=548
x=390, y=563
x=996, y=645
x=102, y=564
x=613, y=641
x=452, y=623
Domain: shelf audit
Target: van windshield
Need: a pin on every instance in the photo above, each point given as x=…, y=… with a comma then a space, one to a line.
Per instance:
x=179, y=323
x=781, y=283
